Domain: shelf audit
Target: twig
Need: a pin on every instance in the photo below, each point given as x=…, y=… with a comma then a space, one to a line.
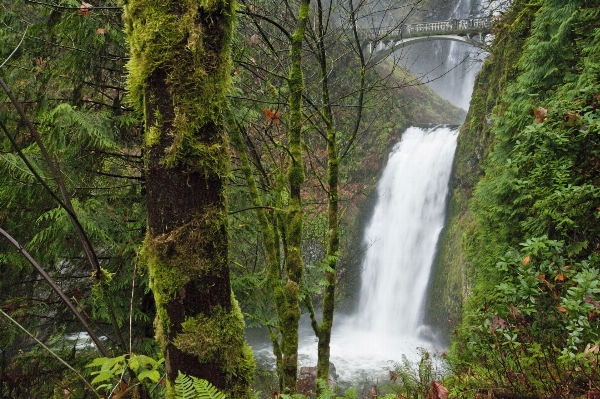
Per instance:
x=16, y=48
x=60, y=293
x=52, y=353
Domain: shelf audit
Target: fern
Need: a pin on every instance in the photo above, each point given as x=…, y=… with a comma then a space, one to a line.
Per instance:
x=187, y=387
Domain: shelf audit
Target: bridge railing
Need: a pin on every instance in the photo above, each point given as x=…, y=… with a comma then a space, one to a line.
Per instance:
x=452, y=26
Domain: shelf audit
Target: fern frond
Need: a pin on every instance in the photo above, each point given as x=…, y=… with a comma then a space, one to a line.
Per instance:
x=184, y=387
x=187, y=387
x=206, y=390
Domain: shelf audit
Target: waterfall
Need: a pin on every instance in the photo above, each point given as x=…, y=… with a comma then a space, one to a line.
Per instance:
x=400, y=243
x=402, y=235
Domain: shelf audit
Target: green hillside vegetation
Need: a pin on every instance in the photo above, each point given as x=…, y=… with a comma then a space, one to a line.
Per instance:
x=522, y=244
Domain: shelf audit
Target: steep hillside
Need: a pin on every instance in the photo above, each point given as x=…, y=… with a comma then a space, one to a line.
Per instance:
x=519, y=259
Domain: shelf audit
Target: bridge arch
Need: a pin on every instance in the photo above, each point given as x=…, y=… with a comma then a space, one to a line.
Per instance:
x=471, y=31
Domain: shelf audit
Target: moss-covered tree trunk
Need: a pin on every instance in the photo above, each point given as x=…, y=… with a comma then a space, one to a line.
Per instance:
x=288, y=299
x=270, y=238
x=179, y=75
x=333, y=236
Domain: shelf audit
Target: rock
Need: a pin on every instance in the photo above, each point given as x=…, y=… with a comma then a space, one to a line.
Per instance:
x=307, y=380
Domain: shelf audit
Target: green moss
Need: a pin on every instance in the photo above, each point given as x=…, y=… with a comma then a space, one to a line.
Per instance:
x=152, y=136
x=174, y=258
x=216, y=338
x=198, y=78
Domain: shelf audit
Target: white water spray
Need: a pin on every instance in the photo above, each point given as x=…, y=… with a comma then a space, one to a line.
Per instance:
x=403, y=233
x=400, y=240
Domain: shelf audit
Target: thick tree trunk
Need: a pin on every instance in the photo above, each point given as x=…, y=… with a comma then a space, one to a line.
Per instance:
x=179, y=77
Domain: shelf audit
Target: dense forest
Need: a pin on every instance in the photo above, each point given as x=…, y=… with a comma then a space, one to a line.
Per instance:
x=175, y=172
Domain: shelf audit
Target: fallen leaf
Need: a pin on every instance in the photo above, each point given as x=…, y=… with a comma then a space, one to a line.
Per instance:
x=571, y=116
x=559, y=276
x=497, y=322
x=254, y=39
x=101, y=31
x=592, y=301
x=514, y=312
x=591, y=348
x=526, y=260
x=560, y=308
x=542, y=279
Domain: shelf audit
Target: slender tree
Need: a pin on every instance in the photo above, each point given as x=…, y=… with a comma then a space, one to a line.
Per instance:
x=179, y=75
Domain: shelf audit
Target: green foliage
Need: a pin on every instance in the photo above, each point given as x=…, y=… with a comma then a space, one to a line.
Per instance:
x=68, y=75
x=531, y=324
x=112, y=370
x=187, y=387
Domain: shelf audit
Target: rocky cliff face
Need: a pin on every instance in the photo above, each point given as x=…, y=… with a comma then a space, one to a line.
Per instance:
x=450, y=285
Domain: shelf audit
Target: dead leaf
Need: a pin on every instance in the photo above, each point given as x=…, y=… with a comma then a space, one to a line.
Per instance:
x=571, y=116
x=526, y=260
x=101, y=31
x=560, y=308
x=540, y=114
x=374, y=392
x=497, y=322
x=592, y=301
x=254, y=39
x=393, y=376
x=542, y=279
x=438, y=391
x=591, y=348
x=84, y=9
x=514, y=312
x=559, y=276
x=272, y=115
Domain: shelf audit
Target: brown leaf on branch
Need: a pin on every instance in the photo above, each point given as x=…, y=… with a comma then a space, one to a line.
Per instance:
x=540, y=114
x=272, y=115
x=84, y=9
x=438, y=391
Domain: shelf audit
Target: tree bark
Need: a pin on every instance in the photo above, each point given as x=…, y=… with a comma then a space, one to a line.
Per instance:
x=179, y=75
x=288, y=297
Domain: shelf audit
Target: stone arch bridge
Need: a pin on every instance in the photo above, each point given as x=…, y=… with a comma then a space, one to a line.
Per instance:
x=471, y=31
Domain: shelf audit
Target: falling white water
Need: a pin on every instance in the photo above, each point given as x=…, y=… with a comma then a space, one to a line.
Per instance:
x=400, y=245
x=403, y=233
